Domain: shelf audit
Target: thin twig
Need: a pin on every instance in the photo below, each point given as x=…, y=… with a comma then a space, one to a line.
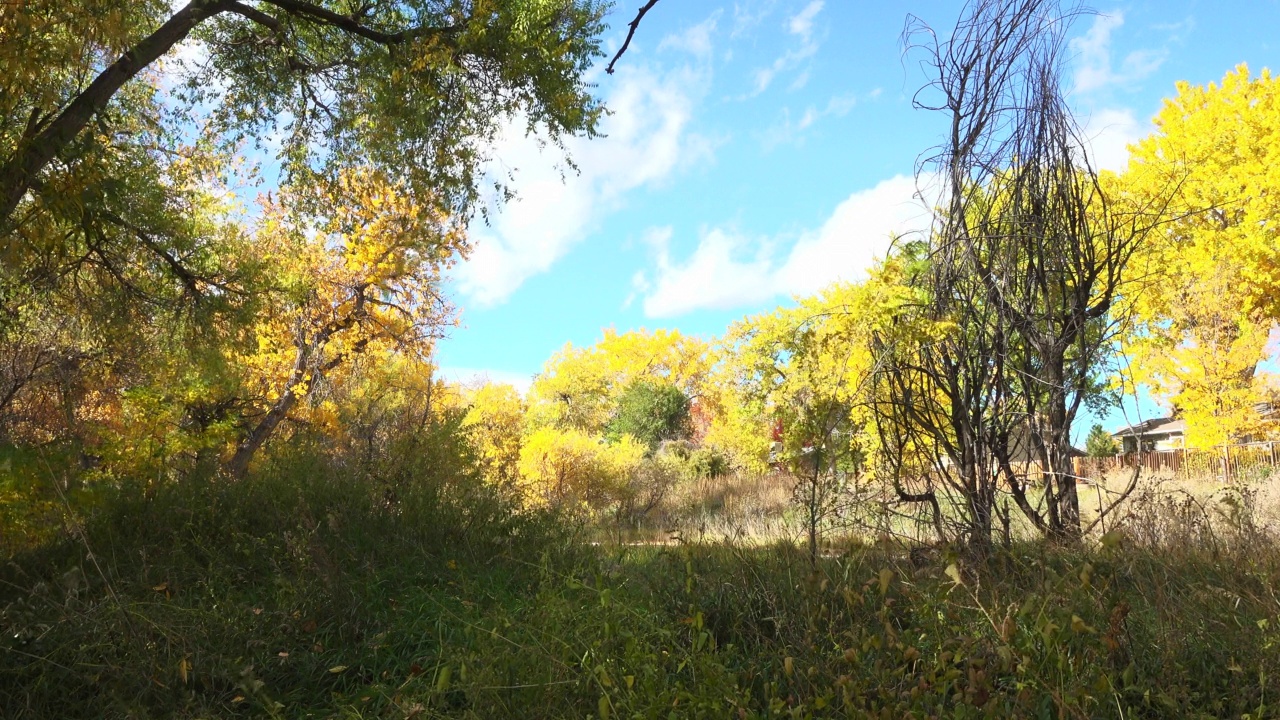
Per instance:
x=632, y=26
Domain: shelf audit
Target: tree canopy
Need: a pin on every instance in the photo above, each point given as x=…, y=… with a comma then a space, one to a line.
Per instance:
x=1207, y=294
x=414, y=89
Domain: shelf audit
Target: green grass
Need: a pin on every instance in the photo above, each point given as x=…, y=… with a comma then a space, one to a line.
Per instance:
x=305, y=593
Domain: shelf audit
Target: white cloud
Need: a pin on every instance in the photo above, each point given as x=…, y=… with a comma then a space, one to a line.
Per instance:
x=695, y=39
x=730, y=270
x=745, y=19
x=802, y=26
x=647, y=141
x=792, y=131
x=715, y=276
x=810, y=115
x=855, y=234
x=1094, y=65
x=802, y=23
x=789, y=60
x=1108, y=133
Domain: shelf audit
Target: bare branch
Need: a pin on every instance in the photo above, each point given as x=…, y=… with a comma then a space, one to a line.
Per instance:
x=631, y=31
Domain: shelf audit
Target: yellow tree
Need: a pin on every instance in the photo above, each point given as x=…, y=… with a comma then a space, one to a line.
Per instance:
x=795, y=365
x=357, y=269
x=495, y=426
x=566, y=466
x=1207, y=293
x=805, y=374
x=384, y=408
x=579, y=387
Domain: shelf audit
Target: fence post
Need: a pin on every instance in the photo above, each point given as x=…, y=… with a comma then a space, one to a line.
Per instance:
x=1226, y=462
x=1273, y=453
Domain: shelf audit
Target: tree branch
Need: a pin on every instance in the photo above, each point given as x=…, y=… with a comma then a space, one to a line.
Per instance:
x=257, y=16
x=19, y=172
x=343, y=22
x=632, y=26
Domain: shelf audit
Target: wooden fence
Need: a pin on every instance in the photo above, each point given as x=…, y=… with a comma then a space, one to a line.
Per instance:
x=1226, y=463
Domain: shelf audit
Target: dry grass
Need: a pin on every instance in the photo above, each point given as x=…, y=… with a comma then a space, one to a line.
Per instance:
x=1256, y=501
x=762, y=508
x=739, y=506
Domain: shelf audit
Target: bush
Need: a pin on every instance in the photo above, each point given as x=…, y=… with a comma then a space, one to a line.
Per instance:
x=569, y=468
x=209, y=598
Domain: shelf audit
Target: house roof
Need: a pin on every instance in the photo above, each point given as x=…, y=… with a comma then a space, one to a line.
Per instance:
x=1156, y=426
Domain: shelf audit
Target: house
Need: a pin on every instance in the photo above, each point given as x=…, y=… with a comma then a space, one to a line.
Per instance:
x=1153, y=435
x=1022, y=451
x=1269, y=422
x=1164, y=434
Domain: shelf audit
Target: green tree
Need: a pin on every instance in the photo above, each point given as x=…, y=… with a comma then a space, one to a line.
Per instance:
x=1099, y=443
x=651, y=412
x=412, y=88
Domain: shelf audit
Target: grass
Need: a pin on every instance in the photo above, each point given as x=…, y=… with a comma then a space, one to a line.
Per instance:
x=310, y=592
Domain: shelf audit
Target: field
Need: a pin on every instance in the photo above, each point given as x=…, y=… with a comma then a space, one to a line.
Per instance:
x=306, y=592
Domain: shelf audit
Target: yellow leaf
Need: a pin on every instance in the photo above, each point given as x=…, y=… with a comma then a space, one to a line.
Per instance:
x=886, y=576
x=953, y=572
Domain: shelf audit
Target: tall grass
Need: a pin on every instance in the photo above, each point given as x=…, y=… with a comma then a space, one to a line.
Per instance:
x=207, y=598
x=409, y=590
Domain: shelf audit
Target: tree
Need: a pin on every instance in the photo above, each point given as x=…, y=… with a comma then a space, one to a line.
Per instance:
x=495, y=425
x=580, y=387
x=412, y=88
x=652, y=413
x=806, y=372
x=1025, y=264
x=567, y=466
x=129, y=293
x=1209, y=291
x=1099, y=443
x=364, y=276
x=123, y=321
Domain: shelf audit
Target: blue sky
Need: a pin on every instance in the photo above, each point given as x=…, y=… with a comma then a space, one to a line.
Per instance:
x=760, y=150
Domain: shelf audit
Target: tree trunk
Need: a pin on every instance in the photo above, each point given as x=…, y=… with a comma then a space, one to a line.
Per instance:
x=1058, y=445
x=238, y=465
x=813, y=520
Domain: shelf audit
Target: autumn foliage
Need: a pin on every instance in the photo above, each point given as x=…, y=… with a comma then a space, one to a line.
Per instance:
x=233, y=481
